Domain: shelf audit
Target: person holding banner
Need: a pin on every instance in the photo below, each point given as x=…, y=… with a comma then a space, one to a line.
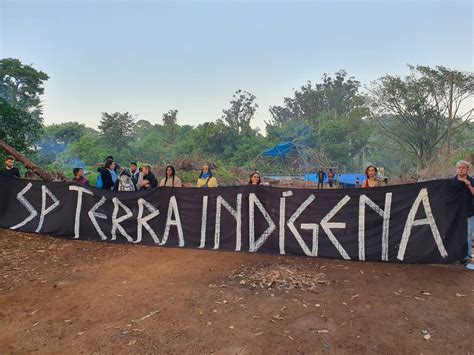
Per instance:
x=255, y=178
x=463, y=181
x=149, y=180
x=109, y=175
x=206, y=179
x=170, y=179
x=371, y=177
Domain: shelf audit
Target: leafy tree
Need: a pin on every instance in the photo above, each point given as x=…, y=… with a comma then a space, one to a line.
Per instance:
x=170, y=118
x=56, y=139
x=339, y=95
x=20, y=106
x=241, y=111
x=448, y=89
x=421, y=111
x=117, y=129
x=17, y=128
x=90, y=149
x=344, y=139
x=21, y=85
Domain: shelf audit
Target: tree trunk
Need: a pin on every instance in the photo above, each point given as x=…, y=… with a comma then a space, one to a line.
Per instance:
x=43, y=174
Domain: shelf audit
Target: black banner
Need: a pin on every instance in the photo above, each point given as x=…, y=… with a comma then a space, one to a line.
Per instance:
x=423, y=222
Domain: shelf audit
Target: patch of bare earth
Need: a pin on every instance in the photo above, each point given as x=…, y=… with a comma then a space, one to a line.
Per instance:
x=68, y=296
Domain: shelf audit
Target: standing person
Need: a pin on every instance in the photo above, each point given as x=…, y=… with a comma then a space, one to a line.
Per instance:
x=330, y=178
x=255, y=178
x=149, y=180
x=371, y=177
x=10, y=170
x=206, y=179
x=170, y=179
x=465, y=182
x=321, y=175
x=109, y=176
x=79, y=176
x=135, y=174
x=357, y=183
x=117, y=167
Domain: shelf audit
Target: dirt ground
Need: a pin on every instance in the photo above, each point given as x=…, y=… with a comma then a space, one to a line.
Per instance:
x=61, y=296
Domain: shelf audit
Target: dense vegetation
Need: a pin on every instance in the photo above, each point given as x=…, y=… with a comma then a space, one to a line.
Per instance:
x=401, y=123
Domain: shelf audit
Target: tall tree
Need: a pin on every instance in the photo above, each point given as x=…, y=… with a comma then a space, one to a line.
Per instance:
x=117, y=129
x=17, y=128
x=20, y=104
x=170, y=118
x=421, y=111
x=241, y=111
x=448, y=91
x=338, y=94
x=21, y=85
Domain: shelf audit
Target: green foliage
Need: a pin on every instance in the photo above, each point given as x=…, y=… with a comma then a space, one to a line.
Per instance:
x=17, y=128
x=241, y=111
x=170, y=118
x=339, y=95
x=20, y=104
x=90, y=149
x=117, y=130
x=409, y=121
x=56, y=139
x=421, y=112
x=21, y=85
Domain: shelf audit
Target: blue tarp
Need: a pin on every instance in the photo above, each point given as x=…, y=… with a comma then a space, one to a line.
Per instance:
x=344, y=179
x=282, y=150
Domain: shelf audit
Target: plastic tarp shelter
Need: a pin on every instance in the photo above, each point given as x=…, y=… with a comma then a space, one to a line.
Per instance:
x=347, y=180
x=280, y=150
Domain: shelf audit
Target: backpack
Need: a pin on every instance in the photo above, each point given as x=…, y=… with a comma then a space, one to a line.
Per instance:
x=99, y=182
x=126, y=184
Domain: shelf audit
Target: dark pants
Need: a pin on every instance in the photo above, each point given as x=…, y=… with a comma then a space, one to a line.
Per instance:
x=320, y=183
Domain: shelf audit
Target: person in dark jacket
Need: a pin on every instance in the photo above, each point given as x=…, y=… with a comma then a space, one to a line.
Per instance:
x=135, y=174
x=321, y=176
x=149, y=180
x=109, y=176
x=10, y=170
x=464, y=182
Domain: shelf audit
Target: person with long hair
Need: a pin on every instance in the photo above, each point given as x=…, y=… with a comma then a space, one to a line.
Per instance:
x=205, y=178
x=109, y=175
x=371, y=177
x=255, y=178
x=170, y=179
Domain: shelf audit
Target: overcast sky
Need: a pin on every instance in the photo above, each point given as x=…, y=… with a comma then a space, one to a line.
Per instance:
x=147, y=57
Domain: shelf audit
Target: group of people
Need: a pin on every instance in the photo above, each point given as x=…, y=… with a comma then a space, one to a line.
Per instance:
x=372, y=178
x=111, y=177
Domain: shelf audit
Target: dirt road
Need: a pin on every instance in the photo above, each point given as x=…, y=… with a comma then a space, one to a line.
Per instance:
x=62, y=296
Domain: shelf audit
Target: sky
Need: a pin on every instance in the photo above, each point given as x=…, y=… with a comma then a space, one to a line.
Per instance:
x=148, y=57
